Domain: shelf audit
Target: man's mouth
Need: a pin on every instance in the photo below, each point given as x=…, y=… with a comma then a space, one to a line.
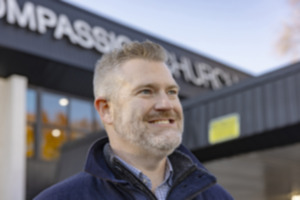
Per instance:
x=162, y=121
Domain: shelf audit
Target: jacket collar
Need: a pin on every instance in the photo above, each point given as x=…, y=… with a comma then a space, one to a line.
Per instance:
x=96, y=164
x=187, y=168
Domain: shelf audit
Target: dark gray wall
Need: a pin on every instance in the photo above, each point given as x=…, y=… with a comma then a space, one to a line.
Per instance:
x=265, y=104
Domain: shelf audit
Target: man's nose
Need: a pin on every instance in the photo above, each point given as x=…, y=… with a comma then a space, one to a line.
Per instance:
x=163, y=102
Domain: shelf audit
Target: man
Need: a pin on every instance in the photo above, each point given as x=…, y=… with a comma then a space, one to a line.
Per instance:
x=137, y=100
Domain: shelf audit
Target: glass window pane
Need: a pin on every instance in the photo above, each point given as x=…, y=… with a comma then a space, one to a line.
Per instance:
x=54, y=109
x=29, y=141
x=31, y=105
x=81, y=116
x=52, y=140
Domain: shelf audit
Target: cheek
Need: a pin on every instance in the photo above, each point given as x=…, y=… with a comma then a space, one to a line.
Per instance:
x=141, y=105
x=138, y=109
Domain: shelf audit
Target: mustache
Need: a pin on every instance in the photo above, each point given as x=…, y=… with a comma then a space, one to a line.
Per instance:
x=164, y=115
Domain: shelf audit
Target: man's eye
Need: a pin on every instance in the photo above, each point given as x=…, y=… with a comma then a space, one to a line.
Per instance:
x=172, y=92
x=145, y=91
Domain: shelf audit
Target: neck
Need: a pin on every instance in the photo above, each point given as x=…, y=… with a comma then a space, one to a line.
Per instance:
x=153, y=166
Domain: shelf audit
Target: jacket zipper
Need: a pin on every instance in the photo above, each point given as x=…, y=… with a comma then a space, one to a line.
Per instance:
x=136, y=182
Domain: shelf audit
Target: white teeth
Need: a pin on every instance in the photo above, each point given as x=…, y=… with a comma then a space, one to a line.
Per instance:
x=162, y=122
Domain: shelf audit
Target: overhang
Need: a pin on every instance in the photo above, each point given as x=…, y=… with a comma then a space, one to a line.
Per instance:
x=40, y=36
x=268, y=109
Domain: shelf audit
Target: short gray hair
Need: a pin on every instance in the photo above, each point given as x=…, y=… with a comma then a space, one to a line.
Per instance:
x=104, y=85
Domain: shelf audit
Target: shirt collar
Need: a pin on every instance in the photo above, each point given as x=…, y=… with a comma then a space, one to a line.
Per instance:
x=138, y=173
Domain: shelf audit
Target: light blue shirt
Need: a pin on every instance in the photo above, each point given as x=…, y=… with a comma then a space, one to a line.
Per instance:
x=162, y=190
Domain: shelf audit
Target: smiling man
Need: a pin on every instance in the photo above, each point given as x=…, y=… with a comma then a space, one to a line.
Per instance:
x=137, y=100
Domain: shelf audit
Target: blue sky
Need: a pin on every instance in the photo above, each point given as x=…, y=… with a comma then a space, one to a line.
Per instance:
x=242, y=34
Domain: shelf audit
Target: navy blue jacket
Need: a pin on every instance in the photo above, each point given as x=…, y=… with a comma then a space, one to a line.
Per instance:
x=104, y=179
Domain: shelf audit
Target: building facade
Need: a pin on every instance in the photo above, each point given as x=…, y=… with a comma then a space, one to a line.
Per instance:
x=48, y=50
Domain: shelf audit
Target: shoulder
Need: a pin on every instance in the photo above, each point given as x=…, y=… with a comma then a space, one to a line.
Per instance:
x=188, y=153
x=217, y=192
x=71, y=188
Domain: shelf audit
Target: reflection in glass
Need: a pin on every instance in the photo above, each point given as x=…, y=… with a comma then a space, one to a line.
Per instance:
x=29, y=141
x=52, y=111
x=31, y=105
x=63, y=101
x=31, y=119
x=81, y=116
x=61, y=119
x=52, y=140
x=77, y=135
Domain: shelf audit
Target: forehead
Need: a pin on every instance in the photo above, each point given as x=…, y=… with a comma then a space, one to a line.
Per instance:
x=139, y=71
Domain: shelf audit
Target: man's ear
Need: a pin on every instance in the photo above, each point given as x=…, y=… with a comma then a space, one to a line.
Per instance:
x=103, y=107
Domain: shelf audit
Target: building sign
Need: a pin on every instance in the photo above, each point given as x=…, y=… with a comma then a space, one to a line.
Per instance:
x=200, y=73
x=224, y=128
x=40, y=19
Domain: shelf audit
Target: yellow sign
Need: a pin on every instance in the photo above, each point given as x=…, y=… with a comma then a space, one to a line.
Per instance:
x=224, y=128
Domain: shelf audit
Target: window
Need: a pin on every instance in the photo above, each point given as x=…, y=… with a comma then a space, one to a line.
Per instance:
x=54, y=109
x=54, y=119
x=31, y=121
x=81, y=118
x=52, y=140
x=81, y=115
